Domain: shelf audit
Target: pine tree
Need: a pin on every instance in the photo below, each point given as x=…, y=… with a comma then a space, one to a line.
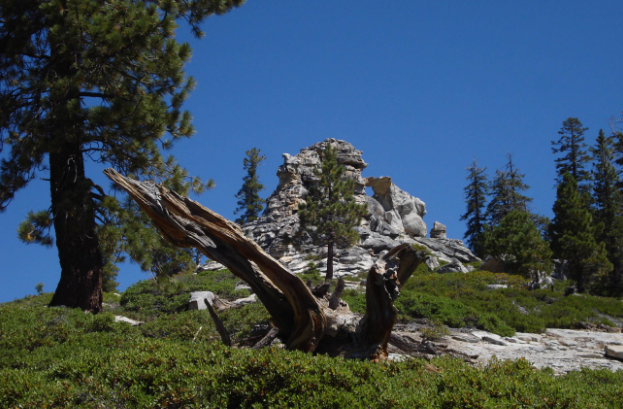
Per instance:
x=249, y=201
x=575, y=157
x=475, y=198
x=330, y=212
x=505, y=193
x=572, y=235
x=518, y=240
x=86, y=79
x=608, y=209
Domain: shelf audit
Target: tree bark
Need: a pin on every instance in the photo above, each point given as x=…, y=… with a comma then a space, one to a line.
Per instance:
x=186, y=223
x=329, y=276
x=307, y=321
x=80, y=285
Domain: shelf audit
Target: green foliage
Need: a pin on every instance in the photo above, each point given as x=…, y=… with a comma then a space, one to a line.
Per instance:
x=311, y=273
x=39, y=288
x=436, y=332
x=88, y=79
x=517, y=240
x=574, y=156
x=458, y=299
x=330, y=212
x=607, y=209
x=505, y=193
x=64, y=358
x=250, y=204
x=572, y=236
x=36, y=228
x=475, y=198
x=149, y=298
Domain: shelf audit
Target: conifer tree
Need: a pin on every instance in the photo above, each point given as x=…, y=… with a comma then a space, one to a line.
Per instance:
x=250, y=204
x=572, y=235
x=518, y=239
x=475, y=198
x=608, y=209
x=86, y=79
x=505, y=193
x=574, y=156
x=330, y=212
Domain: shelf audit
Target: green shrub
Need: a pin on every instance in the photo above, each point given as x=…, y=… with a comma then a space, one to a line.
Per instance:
x=84, y=361
x=436, y=332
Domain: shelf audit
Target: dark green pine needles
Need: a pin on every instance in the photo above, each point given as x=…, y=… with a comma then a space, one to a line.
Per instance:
x=475, y=199
x=330, y=212
x=250, y=204
x=90, y=80
x=572, y=234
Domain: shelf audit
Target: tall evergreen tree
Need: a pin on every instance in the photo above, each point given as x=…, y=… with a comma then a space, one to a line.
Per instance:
x=572, y=235
x=506, y=195
x=518, y=240
x=250, y=204
x=475, y=198
x=330, y=212
x=87, y=79
x=574, y=157
x=608, y=209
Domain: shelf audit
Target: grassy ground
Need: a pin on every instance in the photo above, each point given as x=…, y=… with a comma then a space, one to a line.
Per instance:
x=57, y=357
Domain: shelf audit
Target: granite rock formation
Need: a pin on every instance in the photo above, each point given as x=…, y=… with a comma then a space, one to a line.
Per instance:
x=438, y=231
x=394, y=217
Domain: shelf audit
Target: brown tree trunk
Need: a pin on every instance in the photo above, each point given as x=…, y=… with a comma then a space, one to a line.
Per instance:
x=80, y=285
x=329, y=276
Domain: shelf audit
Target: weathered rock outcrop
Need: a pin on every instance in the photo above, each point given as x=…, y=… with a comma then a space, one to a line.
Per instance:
x=394, y=217
x=438, y=231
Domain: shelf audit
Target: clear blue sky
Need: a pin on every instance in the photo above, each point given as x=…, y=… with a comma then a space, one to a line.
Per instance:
x=420, y=87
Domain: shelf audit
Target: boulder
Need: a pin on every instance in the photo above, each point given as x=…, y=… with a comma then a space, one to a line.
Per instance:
x=496, y=286
x=492, y=264
x=438, y=231
x=446, y=249
x=121, y=318
x=614, y=351
x=401, y=211
x=432, y=263
x=453, y=267
x=197, y=298
x=210, y=266
x=244, y=301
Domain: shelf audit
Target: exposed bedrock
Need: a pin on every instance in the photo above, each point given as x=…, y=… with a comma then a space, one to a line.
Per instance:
x=394, y=216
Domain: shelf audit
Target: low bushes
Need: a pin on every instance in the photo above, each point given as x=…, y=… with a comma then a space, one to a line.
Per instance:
x=459, y=300
x=86, y=361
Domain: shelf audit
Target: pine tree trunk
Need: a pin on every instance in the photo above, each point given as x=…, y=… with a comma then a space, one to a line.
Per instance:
x=80, y=285
x=329, y=275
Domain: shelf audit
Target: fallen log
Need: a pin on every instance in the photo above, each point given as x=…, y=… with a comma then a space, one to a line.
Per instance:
x=305, y=321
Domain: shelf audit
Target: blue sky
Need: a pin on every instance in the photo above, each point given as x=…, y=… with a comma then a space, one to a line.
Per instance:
x=420, y=87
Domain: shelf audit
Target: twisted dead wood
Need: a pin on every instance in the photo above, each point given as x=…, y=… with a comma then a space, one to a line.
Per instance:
x=300, y=317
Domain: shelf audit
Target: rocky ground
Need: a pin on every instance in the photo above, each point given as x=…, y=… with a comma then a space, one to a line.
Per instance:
x=563, y=350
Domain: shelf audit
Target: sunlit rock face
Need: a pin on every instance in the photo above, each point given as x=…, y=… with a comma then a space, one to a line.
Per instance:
x=394, y=216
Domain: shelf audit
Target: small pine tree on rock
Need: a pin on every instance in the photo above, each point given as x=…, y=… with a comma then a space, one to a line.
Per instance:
x=250, y=204
x=330, y=212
